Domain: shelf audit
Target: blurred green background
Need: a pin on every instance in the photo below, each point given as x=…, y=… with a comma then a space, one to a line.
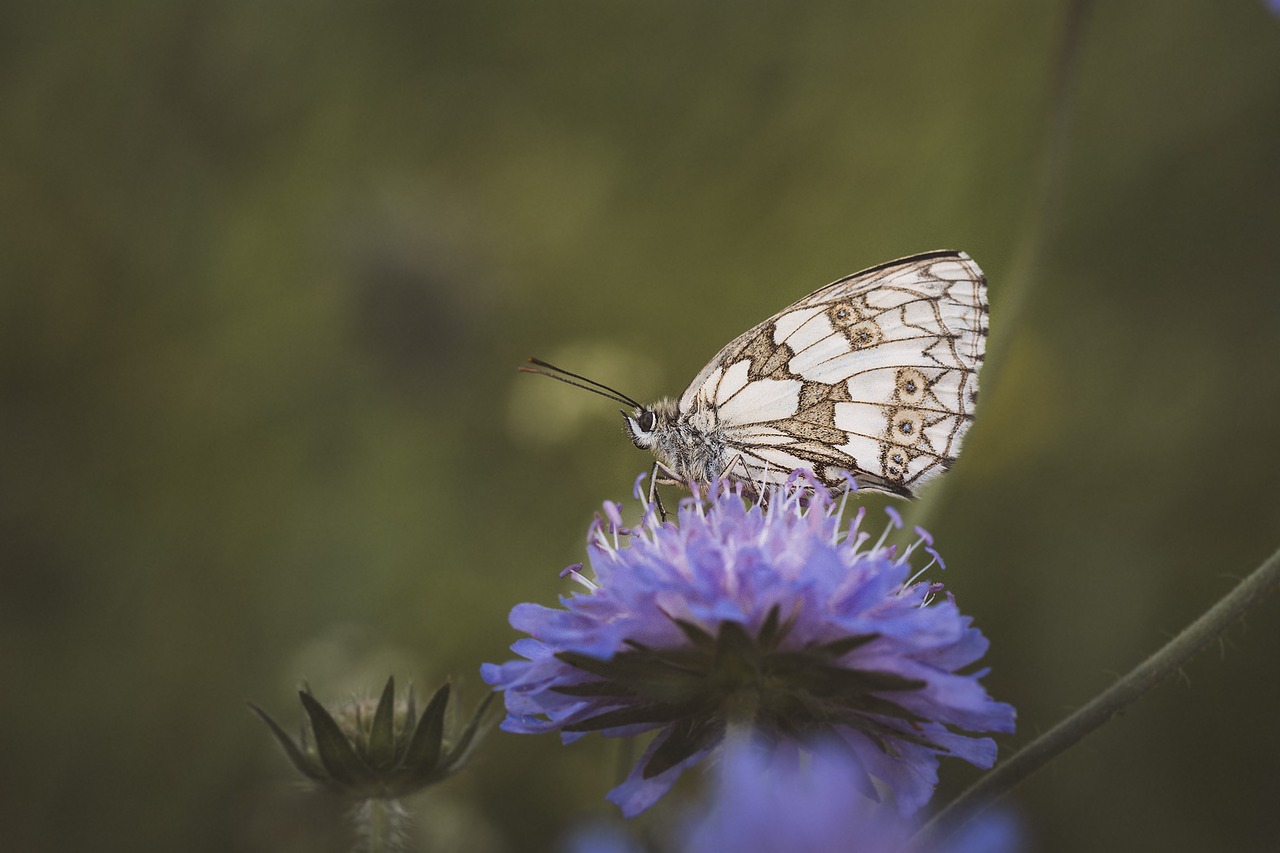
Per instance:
x=267, y=271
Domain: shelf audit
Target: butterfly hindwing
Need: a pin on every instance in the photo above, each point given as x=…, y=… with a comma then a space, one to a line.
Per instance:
x=875, y=374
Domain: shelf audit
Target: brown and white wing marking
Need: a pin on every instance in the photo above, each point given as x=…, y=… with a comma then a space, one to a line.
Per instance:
x=876, y=373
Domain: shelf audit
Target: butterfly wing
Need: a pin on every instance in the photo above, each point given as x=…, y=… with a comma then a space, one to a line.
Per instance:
x=876, y=374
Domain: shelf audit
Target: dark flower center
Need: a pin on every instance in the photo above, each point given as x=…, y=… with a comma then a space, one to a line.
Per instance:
x=700, y=689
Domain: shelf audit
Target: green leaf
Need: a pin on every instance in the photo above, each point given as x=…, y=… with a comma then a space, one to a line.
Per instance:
x=736, y=642
x=381, y=750
x=841, y=647
x=593, y=666
x=642, y=671
x=660, y=663
x=681, y=742
x=594, y=688
x=423, y=754
x=461, y=750
x=696, y=635
x=769, y=630
x=405, y=733
x=837, y=680
x=830, y=708
x=306, y=765
x=653, y=712
x=336, y=752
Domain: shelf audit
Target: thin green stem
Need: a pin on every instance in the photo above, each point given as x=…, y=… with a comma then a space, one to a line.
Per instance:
x=381, y=826
x=1110, y=702
x=1046, y=201
x=1042, y=214
x=742, y=716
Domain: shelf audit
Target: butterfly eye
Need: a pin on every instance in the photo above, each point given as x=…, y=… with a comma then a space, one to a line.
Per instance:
x=646, y=421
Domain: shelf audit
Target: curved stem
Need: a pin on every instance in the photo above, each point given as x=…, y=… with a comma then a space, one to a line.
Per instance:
x=1111, y=701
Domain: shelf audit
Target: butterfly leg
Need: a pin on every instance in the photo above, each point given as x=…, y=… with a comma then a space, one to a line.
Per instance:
x=753, y=488
x=664, y=475
x=654, y=497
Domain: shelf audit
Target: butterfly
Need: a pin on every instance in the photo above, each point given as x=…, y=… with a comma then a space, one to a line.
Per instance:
x=875, y=374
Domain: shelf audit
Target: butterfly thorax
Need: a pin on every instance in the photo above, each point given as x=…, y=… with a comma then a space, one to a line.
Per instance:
x=689, y=445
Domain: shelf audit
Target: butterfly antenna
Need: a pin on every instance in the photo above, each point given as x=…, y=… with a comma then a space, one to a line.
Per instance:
x=591, y=385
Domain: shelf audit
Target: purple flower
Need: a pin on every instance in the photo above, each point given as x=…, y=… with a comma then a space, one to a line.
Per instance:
x=770, y=621
x=776, y=804
x=763, y=805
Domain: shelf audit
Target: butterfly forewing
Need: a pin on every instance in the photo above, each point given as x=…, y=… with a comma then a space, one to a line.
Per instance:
x=875, y=374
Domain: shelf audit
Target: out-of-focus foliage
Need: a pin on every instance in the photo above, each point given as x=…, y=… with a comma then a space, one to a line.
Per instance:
x=266, y=271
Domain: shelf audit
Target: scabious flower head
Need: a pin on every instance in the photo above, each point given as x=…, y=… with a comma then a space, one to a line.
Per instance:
x=769, y=619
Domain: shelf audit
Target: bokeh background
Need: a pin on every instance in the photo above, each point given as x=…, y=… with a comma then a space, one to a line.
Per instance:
x=267, y=270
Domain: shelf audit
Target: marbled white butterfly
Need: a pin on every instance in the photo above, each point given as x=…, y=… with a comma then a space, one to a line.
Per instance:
x=875, y=374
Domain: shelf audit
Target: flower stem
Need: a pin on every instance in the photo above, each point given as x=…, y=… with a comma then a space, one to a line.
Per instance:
x=1046, y=201
x=381, y=825
x=742, y=712
x=1041, y=217
x=1110, y=702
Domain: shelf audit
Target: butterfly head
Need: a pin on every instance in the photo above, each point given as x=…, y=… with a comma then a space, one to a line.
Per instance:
x=646, y=423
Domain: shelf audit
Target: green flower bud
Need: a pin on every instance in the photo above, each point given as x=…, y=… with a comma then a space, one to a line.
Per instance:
x=383, y=752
